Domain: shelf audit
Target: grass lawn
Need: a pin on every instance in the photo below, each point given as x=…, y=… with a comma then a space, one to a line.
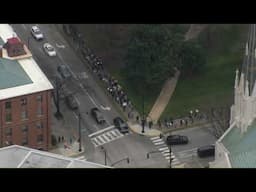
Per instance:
x=214, y=86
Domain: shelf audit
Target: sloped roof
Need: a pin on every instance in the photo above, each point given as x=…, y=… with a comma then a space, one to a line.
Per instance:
x=241, y=147
x=16, y=156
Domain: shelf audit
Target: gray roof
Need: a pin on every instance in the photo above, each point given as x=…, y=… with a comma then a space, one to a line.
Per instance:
x=241, y=147
x=16, y=156
x=249, y=63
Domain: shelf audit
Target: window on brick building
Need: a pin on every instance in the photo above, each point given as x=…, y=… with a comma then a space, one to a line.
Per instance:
x=8, y=105
x=39, y=110
x=8, y=116
x=39, y=125
x=40, y=138
x=8, y=131
x=39, y=98
x=24, y=128
x=23, y=101
x=24, y=114
x=24, y=141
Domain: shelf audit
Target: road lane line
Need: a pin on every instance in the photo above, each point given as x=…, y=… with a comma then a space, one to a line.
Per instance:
x=102, y=130
x=75, y=115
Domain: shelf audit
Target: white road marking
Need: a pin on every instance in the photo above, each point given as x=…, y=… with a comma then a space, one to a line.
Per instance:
x=75, y=115
x=77, y=100
x=159, y=143
x=164, y=148
x=105, y=108
x=106, y=138
x=185, y=151
x=108, y=133
x=166, y=151
x=60, y=46
x=167, y=157
x=88, y=95
x=114, y=133
x=166, y=154
x=118, y=133
x=152, y=138
x=157, y=140
x=102, y=130
x=101, y=139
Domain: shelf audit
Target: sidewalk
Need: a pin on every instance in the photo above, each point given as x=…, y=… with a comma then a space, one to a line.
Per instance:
x=137, y=128
x=68, y=150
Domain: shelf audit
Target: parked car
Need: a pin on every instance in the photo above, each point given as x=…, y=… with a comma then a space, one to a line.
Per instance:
x=206, y=151
x=97, y=115
x=71, y=102
x=121, y=125
x=176, y=139
x=63, y=70
x=37, y=34
x=49, y=49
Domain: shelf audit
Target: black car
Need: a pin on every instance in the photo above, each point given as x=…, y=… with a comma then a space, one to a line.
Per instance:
x=63, y=70
x=97, y=115
x=206, y=151
x=121, y=125
x=71, y=102
x=176, y=140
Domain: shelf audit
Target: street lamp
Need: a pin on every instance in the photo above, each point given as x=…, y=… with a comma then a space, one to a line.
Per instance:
x=58, y=114
x=105, y=154
x=127, y=159
x=143, y=118
x=170, y=156
x=80, y=131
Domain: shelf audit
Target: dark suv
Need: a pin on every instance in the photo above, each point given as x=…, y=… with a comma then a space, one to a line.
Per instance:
x=97, y=115
x=176, y=140
x=121, y=125
x=206, y=151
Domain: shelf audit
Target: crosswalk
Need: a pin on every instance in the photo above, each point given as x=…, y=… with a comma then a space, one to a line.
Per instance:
x=164, y=149
x=187, y=154
x=102, y=138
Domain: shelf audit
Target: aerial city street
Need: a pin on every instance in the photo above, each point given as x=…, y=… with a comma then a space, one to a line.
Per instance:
x=127, y=96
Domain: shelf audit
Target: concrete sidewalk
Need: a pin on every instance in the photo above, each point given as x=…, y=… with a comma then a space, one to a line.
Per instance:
x=137, y=128
x=68, y=150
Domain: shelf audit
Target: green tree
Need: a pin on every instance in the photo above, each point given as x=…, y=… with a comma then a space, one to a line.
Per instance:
x=193, y=58
x=152, y=54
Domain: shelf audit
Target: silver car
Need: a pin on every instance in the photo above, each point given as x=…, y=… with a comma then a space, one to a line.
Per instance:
x=37, y=34
x=49, y=49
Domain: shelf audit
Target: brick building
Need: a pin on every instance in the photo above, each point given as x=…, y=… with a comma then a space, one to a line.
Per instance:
x=25, y=101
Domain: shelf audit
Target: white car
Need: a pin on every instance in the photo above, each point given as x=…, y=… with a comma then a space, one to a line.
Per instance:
x=37, y=34
x=49, y=49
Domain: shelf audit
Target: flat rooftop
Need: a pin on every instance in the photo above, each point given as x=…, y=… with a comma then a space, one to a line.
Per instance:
x=16, y=156
x=22, y=76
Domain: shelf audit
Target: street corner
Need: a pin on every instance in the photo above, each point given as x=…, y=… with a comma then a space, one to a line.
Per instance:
x=137, y=128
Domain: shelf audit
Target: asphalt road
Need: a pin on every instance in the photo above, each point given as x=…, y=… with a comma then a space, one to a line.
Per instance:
x=187, y=153
x=89, y=95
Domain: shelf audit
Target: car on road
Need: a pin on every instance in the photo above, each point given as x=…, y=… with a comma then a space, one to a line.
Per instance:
x=37, y=34
x=71, y=102
x=206, y=151
x=176, y=139
x=97, y=115
x=49, y=49
x=121, y=125
x=64, y=71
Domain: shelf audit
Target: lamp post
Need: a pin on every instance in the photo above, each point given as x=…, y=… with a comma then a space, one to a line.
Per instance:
x=143, y=118
x=127, y=159
x=58, y=114
x=105, y=154
x=170, y=156
x=79, y=130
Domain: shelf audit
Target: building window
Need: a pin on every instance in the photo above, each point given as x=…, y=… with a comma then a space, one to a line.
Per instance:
x=8, y=117
x=8, y=105
x=8, y=131
x=39, y=98
x=39, y=110
x=23, y=101
x=40, y=138
x=24, y=141
x=39, y=125
x=24, y=128
x=24, y=114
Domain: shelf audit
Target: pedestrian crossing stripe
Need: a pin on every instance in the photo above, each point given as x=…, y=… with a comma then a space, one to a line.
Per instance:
x=153, y=138
x=159, y=143
x=114, y=133
x=157, y=140
x=166, y=154
x=162, y=149
x=106, y=138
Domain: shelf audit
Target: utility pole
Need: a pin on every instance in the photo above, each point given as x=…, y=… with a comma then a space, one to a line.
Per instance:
x=58, y=114
x=80, y=138
x=143, y=118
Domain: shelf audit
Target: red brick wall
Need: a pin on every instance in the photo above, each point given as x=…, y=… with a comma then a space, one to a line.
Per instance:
x=33, y=118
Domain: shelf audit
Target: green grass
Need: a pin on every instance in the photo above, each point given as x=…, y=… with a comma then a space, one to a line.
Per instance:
x=214, y=86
